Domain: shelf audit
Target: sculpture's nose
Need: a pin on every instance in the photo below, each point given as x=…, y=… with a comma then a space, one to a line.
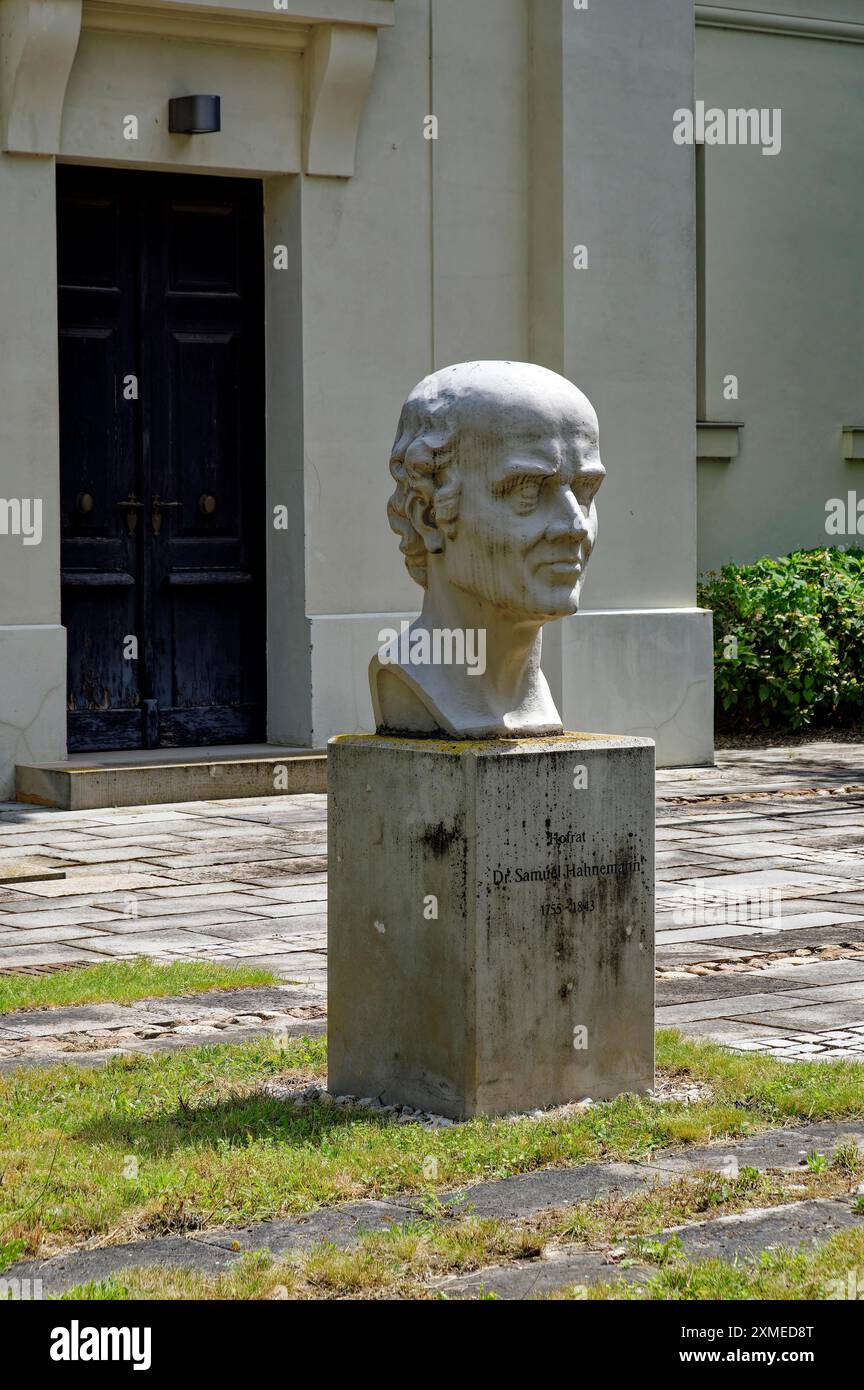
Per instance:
x=570, y=518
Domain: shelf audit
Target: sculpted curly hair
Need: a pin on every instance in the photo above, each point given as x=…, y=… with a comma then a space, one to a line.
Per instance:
x=423, y=465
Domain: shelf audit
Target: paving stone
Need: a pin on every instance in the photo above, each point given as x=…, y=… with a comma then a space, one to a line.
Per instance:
x=260, y=874
x=525, y=1194
x=802, y=921
x=749, y=848
x=840, y=991
x=695, y=989
x=80, y=1018
x=687, y=856
x=798, y=1224
x=729, y=1238
x=531, y=1279
x=77, y=883
x=811, y=1020
x=342, y=1226
x=259, y=996
x=818, y=972
x=252, y=929
x=683, y=954
x=738, y=1007
x=179, y=921
x=299, y=941
x=298, y=894
x=725, y=1030
x=53, y=917
x=774, y=1149
x=299, y=964
x=282, y=963
x=111, y=853
x=719, y=934
x=251, y=853
x=773, y=878
x=172, y=906
x=731, y=828
x=67, y=1054
x=843, y=911
x=15, y=936
x=146, y=943
x=80, y=1267
x=13, y=957
x=304, y=914
x=854, y=898
x=796, y=940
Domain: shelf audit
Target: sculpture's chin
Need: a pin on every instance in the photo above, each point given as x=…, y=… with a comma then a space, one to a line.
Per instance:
x=561, y=605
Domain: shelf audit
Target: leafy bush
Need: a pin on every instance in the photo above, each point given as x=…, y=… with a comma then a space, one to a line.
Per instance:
x=789, y=640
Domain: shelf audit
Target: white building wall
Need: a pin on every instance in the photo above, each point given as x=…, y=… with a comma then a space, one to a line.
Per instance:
x=785, y=281
x=554, y=127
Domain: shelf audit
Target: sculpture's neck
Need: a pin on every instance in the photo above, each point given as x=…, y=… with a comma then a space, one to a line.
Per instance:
x=510, y=646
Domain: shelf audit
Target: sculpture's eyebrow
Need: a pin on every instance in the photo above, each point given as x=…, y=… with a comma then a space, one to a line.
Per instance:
x=527, y=466
x=588, y=475
x=517, y=469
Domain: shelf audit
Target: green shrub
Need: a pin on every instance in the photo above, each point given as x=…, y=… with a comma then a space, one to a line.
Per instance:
x=789, y=640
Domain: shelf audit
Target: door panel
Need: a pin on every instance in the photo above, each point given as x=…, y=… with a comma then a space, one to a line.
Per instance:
x=100, y=557
x=162, y=277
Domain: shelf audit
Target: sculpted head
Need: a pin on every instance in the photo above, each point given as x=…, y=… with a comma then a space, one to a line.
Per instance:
x=497, y=466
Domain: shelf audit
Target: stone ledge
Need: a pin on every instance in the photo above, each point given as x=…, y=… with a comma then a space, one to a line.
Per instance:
x=146, y=782
x=718, y=441
x=853, y=442
x=789, y=25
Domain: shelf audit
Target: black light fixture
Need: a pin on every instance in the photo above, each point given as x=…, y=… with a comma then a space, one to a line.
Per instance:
x=194, y=115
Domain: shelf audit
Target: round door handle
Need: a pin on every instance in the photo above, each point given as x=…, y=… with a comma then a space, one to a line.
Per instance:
x=206, y=504
x=84, y=502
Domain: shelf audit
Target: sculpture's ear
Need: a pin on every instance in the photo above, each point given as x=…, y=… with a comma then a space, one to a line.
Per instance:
x=421, y=513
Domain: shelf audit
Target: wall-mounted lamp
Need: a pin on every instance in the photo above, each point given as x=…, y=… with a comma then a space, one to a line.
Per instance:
x=195, y=115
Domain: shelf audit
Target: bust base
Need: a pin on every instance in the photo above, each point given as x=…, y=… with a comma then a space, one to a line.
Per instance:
x=491, y=920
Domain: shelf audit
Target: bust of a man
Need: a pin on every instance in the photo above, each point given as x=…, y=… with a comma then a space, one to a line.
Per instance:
x=497, y=466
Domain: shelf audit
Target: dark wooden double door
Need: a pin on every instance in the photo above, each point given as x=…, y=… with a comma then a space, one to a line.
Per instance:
x=161, y=364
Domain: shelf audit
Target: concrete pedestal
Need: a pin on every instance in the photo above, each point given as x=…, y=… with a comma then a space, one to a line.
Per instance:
x=491, y=921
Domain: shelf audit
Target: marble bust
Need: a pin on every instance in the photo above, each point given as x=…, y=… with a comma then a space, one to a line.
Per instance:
x=497, y=467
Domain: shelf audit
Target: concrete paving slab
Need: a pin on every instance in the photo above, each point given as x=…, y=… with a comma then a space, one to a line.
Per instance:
x=731, y=1238
x=814, y=1019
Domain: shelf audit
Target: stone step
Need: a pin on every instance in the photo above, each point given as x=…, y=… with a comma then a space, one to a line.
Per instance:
x=92, y=781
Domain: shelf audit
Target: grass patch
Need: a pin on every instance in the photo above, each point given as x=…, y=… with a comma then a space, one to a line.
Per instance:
x=124, y=981
x=404, y=1261
x=189, y=1140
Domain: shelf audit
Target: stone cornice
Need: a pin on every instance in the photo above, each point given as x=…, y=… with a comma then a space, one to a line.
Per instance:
x=337, y=38
x=794, y=26
x=207, y=26
x=375, y=13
